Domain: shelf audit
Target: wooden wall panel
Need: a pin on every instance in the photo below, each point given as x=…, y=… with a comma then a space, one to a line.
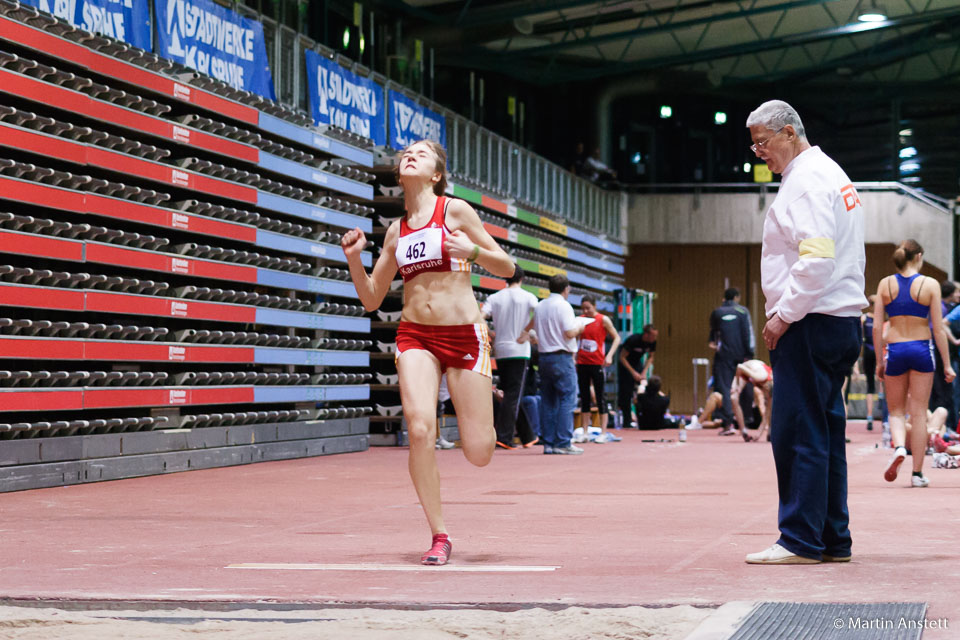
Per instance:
x=880, y=264
x=689, y=281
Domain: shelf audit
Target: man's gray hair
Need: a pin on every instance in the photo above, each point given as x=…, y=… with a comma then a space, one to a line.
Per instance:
x=776, y=114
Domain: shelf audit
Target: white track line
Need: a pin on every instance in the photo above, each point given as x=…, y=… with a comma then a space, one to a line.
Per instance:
x=490, y=568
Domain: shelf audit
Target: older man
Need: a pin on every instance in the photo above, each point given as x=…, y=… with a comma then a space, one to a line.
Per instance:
x=812, y=275
x=557, y=331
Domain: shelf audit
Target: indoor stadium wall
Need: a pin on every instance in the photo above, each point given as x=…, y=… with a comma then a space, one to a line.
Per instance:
x=690, y=279
x=173, y=295
x=893, y=212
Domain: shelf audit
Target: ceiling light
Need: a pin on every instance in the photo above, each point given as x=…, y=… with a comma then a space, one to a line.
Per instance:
x=906, y=133
x=908, y=152
x=719, y=117
x=524, y=26
x=871, y=11
x=666, y=111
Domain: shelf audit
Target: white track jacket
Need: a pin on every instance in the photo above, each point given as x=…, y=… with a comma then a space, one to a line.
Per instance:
x=813, y=255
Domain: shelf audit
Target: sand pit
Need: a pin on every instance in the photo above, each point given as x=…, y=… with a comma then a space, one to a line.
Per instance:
x=574, y=623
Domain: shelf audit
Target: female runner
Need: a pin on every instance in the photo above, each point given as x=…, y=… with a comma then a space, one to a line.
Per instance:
x=441, y=328
x=912, y=302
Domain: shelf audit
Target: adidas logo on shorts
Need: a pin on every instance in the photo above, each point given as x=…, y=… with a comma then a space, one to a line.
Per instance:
x=468, y=357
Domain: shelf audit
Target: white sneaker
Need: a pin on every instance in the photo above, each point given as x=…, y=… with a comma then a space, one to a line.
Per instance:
x=918, y=481
x=606, y=437
x=444, y=444
x=694, y=423
x=572, y=450
x=894, y=467
x=778, y=555
x=578, y=435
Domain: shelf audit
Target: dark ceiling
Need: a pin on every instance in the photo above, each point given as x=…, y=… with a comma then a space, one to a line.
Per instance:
x=866, y=81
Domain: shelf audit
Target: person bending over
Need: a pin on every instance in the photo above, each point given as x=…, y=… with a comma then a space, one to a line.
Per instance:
x=754, y=372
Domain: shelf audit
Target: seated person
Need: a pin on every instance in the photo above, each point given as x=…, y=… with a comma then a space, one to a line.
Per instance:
x=652, y=407
x=705, y=420
x=936, y=430
x=760, y=375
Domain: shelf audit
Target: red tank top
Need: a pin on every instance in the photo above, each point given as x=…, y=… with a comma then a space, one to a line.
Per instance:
x=421, y=250
x=592, y=342
x=766, y=368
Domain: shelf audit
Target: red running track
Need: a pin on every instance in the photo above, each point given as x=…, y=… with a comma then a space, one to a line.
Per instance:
x=626, y=523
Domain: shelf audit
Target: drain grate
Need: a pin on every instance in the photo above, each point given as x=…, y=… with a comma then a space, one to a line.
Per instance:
x=836, y=621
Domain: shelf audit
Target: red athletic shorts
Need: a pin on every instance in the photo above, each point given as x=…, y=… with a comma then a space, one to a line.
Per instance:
x=461, y=346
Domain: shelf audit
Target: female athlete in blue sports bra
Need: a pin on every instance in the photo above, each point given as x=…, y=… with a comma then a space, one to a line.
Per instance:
x=912, y=302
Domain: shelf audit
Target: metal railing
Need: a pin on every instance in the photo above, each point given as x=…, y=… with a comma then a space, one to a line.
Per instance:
x=477, y=157
x=944, y=205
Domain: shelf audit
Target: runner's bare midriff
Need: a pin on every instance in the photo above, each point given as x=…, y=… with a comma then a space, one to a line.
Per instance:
x=440, y=299
x=908, y=328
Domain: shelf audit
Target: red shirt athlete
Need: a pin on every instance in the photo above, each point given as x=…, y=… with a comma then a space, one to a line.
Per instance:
x=421, y=250
x=591, y=359
x=441, y=328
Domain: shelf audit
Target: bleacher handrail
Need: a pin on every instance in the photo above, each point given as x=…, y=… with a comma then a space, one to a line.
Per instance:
x=944, y=205
x=530, y=179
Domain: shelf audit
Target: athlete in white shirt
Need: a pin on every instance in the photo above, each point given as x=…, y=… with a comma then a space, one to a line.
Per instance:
x=811, y=270
x=512, y=312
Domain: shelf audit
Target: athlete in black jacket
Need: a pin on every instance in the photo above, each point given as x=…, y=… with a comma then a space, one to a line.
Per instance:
x=731, y=336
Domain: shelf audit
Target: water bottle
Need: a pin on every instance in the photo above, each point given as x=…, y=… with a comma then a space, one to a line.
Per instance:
x=887, y=438
x=617, y=419
x=682, y=435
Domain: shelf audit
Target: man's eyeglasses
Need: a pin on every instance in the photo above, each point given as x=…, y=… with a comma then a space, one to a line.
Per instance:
x=760, y=146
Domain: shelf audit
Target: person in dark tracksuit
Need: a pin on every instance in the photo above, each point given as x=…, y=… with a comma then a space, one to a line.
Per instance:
x=811, y=270
x=633, y=365
x=731, y=336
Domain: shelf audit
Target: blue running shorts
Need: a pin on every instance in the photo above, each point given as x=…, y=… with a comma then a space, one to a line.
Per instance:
x=913, y=355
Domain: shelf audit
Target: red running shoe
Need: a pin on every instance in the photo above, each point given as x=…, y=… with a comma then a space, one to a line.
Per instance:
x=939, y=445
x=439, y=553
x=899, y=455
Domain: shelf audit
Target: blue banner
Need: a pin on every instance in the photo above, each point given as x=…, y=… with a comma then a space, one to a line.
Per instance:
x=340, y=97
x=410, y=122
x=124, y=20
x=215, y=41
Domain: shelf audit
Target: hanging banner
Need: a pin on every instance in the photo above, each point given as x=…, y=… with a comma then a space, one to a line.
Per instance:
x=124, y=20
x=215, y=41
x=340, y=97
x=410, y=122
